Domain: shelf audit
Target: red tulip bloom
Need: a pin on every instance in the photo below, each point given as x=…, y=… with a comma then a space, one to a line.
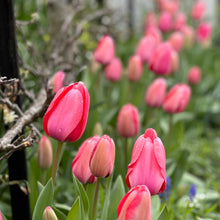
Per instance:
x=203, y=32
x=194, y=75
x=66, y=116
x=113, y=70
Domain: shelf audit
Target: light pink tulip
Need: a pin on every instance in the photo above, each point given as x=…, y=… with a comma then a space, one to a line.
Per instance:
x=57, y=81
x=113, y=70
x=103, y=157
x=49, y=214
x=179, y=21
x=174, y=61
x=135, y=68
x=148, y=163
x=198, y=10
x=176, y=40
x=128, y=123
x=156, y=93
x=189, y=35
x=150, y=20
x=177, y=99
x=80, y=164
x=165, y=22
x=203, y=32
x=105, y=50
x=135, y=205
x=155, y=32
x=194, y=75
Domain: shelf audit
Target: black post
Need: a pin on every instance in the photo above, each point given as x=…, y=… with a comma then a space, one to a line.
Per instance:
x=9, y=68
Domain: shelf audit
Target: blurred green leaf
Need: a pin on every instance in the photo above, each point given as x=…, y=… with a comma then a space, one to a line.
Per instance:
x=59, y=214
x=164, y=214
x=75, y=212
x=155, y=204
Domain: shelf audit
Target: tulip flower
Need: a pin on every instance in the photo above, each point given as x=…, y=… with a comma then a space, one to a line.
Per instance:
x=155, y=32
x=1, y=216
x=177, y=99
x=45, y=153
x=49, y=214
x=203, y=32
x=198, y=10
x=194, y=75
x=128, y=121
x=135, y=205
x=156, y=93
x=161, y=62
x=180, y=21
x=189, y=35
x=176, y=40
x=57, y=80
x=135, y=68
x=67, y=114
x=103, y=157
x=174, y=61
x=150, y=20
x=148, y=163
x=113, y=70
x=165, y=22
x=80, y=164
x=105, y=50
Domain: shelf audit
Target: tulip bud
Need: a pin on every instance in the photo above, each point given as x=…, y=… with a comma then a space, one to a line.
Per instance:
x=174, y=61
x=148, y=154
x=150, y=20
x=161, y=62
x=135, y=68
x=203, y=33
x=136, y=204
x=45, y=153
x=194, y=75
x=80, y=164
x=105, y=50
x=198, y=10
x=180, y=21
x=177, y=99
x=155, y=32
x=176, y=40
x=165, y=22
x=103, y=157
x=49, y=214
x=128, y=121
x=113, y=70
x=57, y=81
x=156, y=93
x=66, y=116
x=97, y=130
x=189, y=35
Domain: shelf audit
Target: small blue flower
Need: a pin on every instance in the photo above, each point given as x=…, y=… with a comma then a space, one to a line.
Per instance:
x=166, y=193
x=192, y=192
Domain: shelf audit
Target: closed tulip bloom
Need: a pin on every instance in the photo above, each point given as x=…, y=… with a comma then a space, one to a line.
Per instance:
x=148, y=163
x=198, y=10
x=57, y=80
x=155, y=32
x=177, y=99
x=189, y=35
x=105, y=50
x=156, y=93
x=49, y=214
x=175, y=61
x=103, y=157
x=176, y=40
x=194, y=75
x=180, y=21
x=66, y=116
x=128, y=123
x=165, y=22
x=113, y=70
x=80, y=164
x=203, y=32
x=45, y=153
x=135, y=205
x=161, y=62
x=135, y=68
x=150, y=20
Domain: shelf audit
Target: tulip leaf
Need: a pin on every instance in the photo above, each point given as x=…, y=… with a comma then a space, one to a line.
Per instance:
x=60, y=215
x=164, y=214
x=45, y=199
x=75, y=212
x=117, y=192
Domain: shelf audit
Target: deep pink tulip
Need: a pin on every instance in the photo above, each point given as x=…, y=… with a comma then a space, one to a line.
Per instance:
x=156, y=93
x=176, y=40
x=179, y=21
x=105, y=50
x=66, y=116
x=44, y=153
x=194, y=75
x=128, y=123
x=189, y=35
x=175, y=61
x=160, y=62
x=177, y=99
x=57, y=81
x=80, y=164
x=113, y=70
x=165, y=22
x=103, y=157
x=135, y=205
x=1, y=216
x=135, y=68
x=198, y=10
x=148, y=163
x=203, y=32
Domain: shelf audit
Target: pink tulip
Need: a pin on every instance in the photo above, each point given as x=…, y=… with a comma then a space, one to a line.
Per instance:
x=128, y=123
x=179, y=21
x=172, y=6
x=103, y=157
x=194, y=75
x=57, y=80
x=66, y=116
x=156, y=93
x=45, y=153
x=80, y=164
x=1, y=216
x=113, y=70
x=105, y=50
x=177, y=99
x=165, y=22
x=155, y=32
x=135, y=205
x=160, y=62
x=198, y=10
x=189, y=35
x=176, y=40
x=135, y=68
x=174, y=61
x=148, y=163
x=203, y=32
x=49, y=214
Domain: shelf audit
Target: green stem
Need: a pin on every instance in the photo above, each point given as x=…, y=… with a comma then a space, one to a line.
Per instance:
x=96, y=196
x=56, y=161
x=43, y=176
x=169, y=138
